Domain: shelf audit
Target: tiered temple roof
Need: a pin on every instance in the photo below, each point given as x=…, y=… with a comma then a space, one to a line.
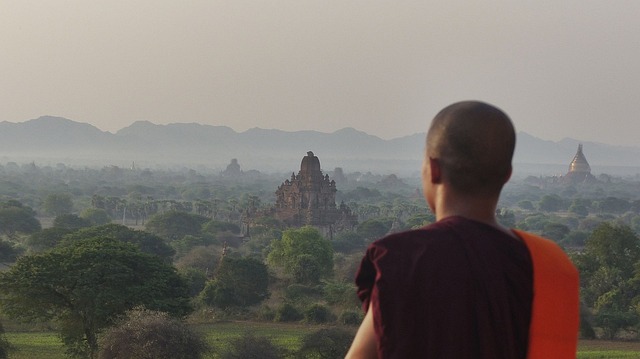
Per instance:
x=309, y=198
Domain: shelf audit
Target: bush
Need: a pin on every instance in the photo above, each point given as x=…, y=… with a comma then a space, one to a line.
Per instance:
x=295, y=292
x=287, y=313
x=350, y=317
x=146, y=334
x=327, y=343
x=266, y=314
x=196, y=280
x=340, y=293
x=250, y=346
x=238, y=282
x=317, y=314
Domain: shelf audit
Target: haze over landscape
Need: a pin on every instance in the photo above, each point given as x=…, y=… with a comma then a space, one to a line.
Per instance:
x=560, y=69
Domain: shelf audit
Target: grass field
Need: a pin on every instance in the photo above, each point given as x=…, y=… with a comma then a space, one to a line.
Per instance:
x=47, y=345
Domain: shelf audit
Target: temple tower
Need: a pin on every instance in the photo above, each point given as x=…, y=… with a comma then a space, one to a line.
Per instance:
x=579, y=169
x=309, y=198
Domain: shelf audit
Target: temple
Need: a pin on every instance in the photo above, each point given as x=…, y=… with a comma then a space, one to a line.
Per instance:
x=579, y=169
x=309, y=198
x=233, y=169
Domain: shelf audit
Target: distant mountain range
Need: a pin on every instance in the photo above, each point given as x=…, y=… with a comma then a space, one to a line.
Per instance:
x=50, y=140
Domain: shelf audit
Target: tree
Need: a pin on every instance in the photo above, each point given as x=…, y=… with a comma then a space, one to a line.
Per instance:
x=506, y=217
x=346, y=242
x=372, y=229
x=526, y=205
x=70, y=221
x=615, y=246
x=85, y=284
x=295, y=243
x=317, y=314
x=614, y=205
x=148, y=334
x=8, y=252
x=46, y=238
x=551, y=203
x=97, y=216
x=237, y=282
x=214, y=227
x=555, y=231
x=174, y=225
x=146, y=242
x=610, y=283
x=57, y=204
x=16, y=218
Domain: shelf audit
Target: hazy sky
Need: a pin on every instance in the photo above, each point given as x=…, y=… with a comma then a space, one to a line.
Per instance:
x=559, y=68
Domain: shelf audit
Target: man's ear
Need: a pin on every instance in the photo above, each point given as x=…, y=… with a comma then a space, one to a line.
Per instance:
x=435, y=170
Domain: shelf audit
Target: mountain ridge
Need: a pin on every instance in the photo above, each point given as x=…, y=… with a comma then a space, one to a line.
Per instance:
x=52, y=138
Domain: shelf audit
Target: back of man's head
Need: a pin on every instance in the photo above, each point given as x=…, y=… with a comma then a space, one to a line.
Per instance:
x=474, y=143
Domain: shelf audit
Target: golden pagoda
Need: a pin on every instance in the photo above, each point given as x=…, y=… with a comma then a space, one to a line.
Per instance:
x=579, y=169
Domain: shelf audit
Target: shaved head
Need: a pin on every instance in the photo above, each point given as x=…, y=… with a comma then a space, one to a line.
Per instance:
x=474, y=143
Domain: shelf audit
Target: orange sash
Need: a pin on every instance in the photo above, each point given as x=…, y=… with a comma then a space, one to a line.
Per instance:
x=555, y=316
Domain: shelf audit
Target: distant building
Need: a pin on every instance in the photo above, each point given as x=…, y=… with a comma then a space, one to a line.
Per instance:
x=233, y=169
x=309, y=198
x=579, y=169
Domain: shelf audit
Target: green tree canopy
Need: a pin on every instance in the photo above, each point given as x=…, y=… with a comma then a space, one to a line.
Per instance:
x=551, y=203
x=296, y=243
x=146, y=242
x=615, y=246
x=16, y=218
x=237, y=282
x=174, y=225
x=609, y=276
x=372, y=229
x=86, y=284
x=46, y=238
x=97, y=216
x=214, y=227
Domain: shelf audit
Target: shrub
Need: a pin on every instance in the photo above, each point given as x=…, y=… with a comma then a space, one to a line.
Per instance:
x=146, y=334
x=340, y=293
x=250, y=346
x=317, y=313
x=330, y=343
x=238, y=282
x=266, y=314
x=350, y=317
x=287, y=313
x=295, y=291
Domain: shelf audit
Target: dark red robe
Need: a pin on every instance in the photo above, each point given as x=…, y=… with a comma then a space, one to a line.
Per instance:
x=455, y=289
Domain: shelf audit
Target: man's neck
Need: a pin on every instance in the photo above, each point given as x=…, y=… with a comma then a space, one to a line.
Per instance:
x=478, y=208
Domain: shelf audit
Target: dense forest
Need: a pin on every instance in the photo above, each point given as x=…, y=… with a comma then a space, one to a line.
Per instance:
x=92, y=249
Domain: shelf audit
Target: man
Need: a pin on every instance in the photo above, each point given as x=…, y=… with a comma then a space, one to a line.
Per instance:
x=465, y=286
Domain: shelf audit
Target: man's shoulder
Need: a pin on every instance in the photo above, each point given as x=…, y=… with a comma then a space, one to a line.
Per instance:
x=427, y=235
x=546, y=252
